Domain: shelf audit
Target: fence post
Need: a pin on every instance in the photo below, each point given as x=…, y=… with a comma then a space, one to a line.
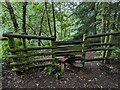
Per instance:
x=104, y=52
x=108, y=52
x=11, y=43
x=83, y=52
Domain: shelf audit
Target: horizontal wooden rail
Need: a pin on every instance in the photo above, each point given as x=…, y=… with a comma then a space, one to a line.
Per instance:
x=98, y=59
x=56, y=52
x=104, y=34
x=101, y=44
x=30, y=55
x=67, y=42
x=43, y=48
x=3, y=38
x=28, y=36
x=100, y=49
x=29, y=49
x=32, y=61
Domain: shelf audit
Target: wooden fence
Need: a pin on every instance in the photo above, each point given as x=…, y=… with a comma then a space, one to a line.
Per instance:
x=23, y=58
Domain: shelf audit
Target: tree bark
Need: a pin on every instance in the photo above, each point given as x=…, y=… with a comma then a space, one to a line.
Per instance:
x=24, y=23
x=12, y=15
x=24, y=18
x=54, y=20
x=48, y=19
x=41, y=22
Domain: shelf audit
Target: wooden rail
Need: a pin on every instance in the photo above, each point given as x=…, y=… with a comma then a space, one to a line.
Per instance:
x=104, y=34
x=68, y=42
x=27, y=36
x=58, y=48
x=3, y=38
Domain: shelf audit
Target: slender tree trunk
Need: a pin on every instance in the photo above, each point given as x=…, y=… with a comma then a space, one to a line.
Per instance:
x=48, y=19
x=54, y=20
x=24, y=23
x=24, y=18
x=103, y=30
x=12, y=15
x=41, y=28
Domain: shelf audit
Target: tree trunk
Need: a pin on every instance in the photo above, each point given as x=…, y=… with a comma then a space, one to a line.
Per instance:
x=41, y=22
x=24, y=23
x=54, y=20
x=48, y=19
x=12, y=15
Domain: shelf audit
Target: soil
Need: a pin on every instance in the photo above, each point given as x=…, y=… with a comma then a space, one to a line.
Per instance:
x=93, y=75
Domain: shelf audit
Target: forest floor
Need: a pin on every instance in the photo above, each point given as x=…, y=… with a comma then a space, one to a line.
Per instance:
x=94, y=75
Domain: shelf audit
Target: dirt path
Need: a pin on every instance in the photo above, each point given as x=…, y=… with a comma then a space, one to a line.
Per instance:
x=94, y=75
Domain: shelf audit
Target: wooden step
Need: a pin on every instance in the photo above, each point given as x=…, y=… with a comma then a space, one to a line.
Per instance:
x=61, y=58
x=78, y=64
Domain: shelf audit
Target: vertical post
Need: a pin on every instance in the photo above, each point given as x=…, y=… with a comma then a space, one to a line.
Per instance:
x=107, y=52
x=104, y=52
x=24, y=41
x=83, y=52
x=11, y=43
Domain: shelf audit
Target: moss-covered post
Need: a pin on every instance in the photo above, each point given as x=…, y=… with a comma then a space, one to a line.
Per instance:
x=83, y=52
x=104, y=52
x=11, y=43
x=108, y=53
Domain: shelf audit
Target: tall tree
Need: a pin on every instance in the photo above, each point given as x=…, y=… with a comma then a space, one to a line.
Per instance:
x=12, y=15
x=24, y=23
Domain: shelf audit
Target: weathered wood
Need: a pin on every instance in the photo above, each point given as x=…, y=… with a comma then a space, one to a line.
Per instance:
x=68, y=51
x=69, y=54
x=83, y=51
x=99, y=49
x=101, y=44
x=104, y=34
x=32, y=61
x=3, y=38
x=65, y=48
x=68, y=42
x=47, y=47
x=30, y=55
x=28, y=36
x=97, y=59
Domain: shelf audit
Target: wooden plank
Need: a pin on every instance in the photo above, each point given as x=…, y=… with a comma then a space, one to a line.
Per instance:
x=46, y=47
x=30, y=55
x=100, y=44
x=97, y=59
x=29, y=49
x=28, y=36
x=69, y=54
x=27, y=62
x=64, y=48
x=3, y=39
x=68, y=42
x=104, y=34
x=99, y=49
x=68, y=51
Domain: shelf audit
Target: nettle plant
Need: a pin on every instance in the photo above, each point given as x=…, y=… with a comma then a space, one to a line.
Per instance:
x=115, y=53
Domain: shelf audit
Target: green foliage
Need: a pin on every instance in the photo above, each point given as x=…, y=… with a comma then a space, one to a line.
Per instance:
x=115, y=53
x=53, y=70
x=4, y=54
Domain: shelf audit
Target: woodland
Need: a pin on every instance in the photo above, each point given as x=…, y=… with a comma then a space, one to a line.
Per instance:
x=41, y=41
